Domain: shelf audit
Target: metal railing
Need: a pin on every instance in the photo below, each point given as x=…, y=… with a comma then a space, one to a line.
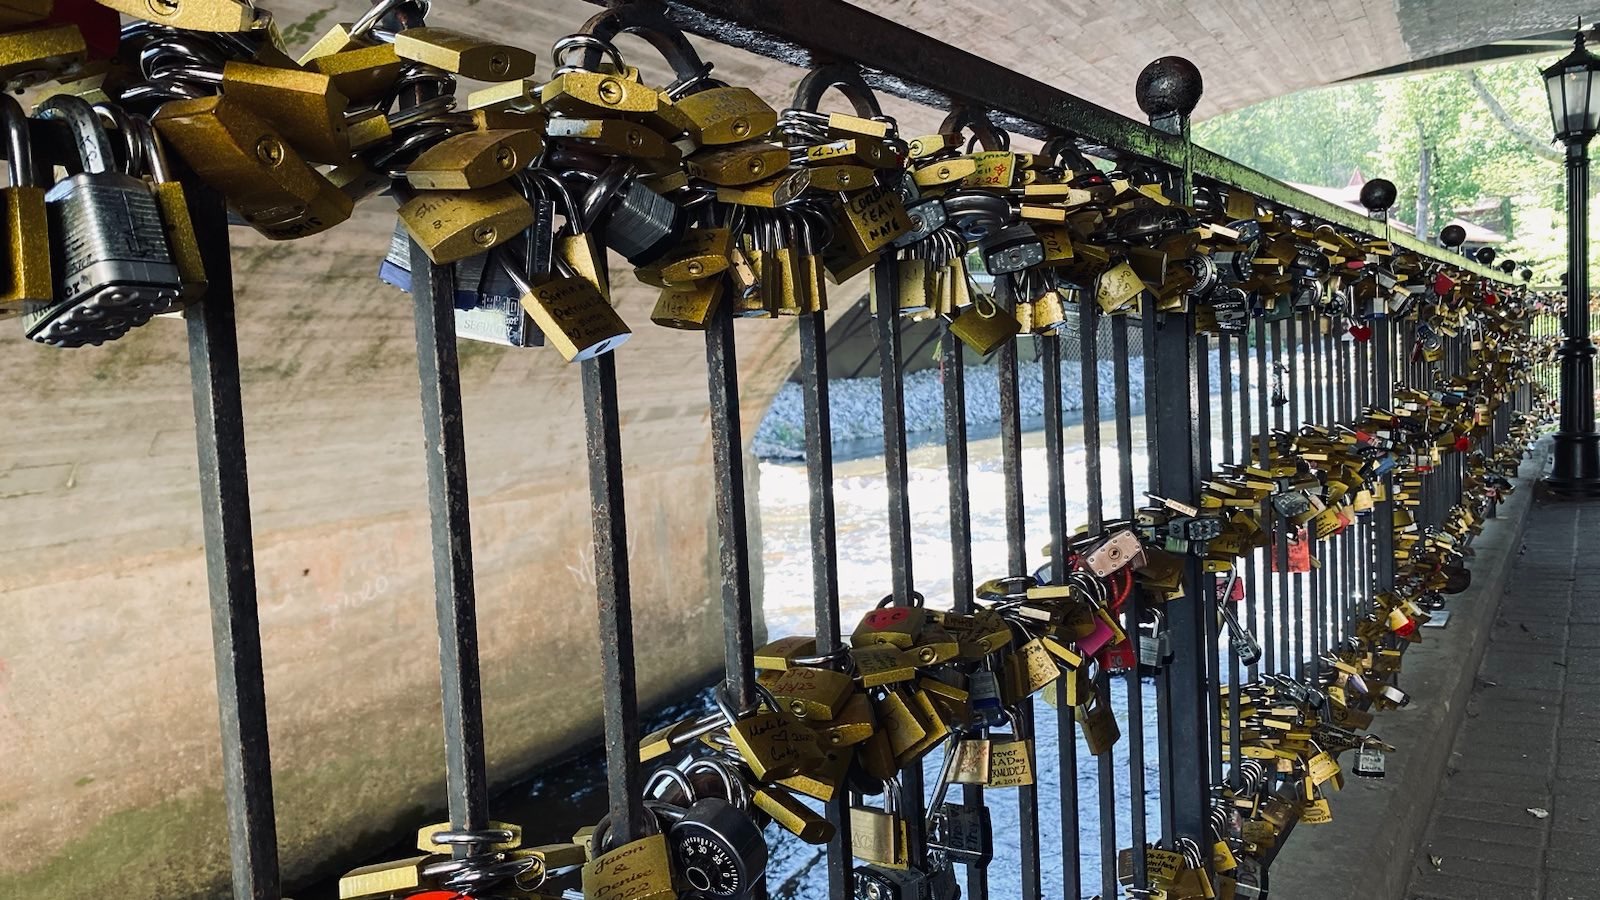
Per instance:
x=1191, y=425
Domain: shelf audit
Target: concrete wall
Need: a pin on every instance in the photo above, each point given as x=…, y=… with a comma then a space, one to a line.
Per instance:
x=108, y=719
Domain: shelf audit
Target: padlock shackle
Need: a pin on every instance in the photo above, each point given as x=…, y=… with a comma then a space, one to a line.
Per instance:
x=95, y=155
x=964, y=118
x=19, y=143
x=844, y=77
x=649, y=21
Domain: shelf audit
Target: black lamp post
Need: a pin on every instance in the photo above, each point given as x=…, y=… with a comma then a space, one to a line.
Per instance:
x=1573, y=84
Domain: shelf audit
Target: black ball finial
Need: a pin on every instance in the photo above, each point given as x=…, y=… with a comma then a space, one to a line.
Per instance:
x=1453, y=236
x=1169, y=86
x=1527, y=274
x=1378, y=195
x=1508, y=266
x=1485, y=255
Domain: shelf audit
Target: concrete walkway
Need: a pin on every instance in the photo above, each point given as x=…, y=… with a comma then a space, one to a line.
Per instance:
x=1518, y=814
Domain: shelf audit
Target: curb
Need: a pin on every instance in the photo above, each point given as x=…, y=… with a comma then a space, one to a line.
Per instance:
x=1366, y=852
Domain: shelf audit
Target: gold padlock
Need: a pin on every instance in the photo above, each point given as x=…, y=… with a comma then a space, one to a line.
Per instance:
x=190, y=15
x=27, y=222
x=726, y=115
x=474, y=159
x=465, y=55
x=241, y=156
x=688, y=307
x=453, y=225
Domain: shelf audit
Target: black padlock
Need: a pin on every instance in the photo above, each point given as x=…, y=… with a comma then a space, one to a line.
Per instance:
x=963, y=833
x=716, y=848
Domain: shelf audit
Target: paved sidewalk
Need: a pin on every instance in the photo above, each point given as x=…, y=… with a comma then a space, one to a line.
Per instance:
x=1531, y=739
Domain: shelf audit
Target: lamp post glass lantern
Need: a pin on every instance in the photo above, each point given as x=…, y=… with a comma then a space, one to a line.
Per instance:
x=1573, y=86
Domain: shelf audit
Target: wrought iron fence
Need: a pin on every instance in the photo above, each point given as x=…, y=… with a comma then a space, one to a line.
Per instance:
x=1270, y=377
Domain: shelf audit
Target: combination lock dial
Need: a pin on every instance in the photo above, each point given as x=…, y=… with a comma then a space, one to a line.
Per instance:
x=717, y=850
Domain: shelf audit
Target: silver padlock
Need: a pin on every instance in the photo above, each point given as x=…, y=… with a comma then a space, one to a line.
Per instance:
x=1011, y=249
x=114, y=269
x=1155, y=644
x=1369, y=760
x=875, y=882
x=632, y=219
x=942, y=879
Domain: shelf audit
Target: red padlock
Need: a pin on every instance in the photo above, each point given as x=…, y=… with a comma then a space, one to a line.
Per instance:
x=1118, y=657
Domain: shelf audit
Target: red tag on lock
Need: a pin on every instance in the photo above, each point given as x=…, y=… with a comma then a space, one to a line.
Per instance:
x=887, y=618
x=1442, y=284
x=1361, y=333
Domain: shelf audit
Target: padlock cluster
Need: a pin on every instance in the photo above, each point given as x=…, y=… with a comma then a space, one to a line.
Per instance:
x=709, y=192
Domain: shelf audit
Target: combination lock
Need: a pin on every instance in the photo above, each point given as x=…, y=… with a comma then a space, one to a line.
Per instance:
x=717, y=850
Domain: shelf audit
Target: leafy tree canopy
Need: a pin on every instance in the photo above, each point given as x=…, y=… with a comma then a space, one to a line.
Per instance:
x=1489, y=130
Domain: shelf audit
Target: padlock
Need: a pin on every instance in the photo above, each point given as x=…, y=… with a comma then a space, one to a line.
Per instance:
x=243, y=158
x=962, y=832
x=1155, y=643
x=1011, y=249
x=879, y=835
x=879, y=882
x=717, y=850
x=1370, y=762
x=632, y=219
x=571, y=313
x=174, y=204
x=113, y=267
x=464, y=55
x=28, y=271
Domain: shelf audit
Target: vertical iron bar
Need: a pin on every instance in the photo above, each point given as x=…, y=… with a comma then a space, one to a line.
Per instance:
x=1248, y=562
x=1066, y=738
x=230, y=563
x=1383, y=344
x=953, y=362
x=614, y=601
x=1179, y=408
x=733, y=544
x=1285, y=528
x=1265, y=381
x=466, y=780
x=885, y=275
x=1205, y=585
x=1017, y=563
x=1122, y=412
x=824, y=556
x=1295, y=613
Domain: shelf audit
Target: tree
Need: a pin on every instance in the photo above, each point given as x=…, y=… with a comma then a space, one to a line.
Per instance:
x=1487, y=130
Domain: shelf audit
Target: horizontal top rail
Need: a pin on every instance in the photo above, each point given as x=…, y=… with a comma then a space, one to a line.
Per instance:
x=909, y=64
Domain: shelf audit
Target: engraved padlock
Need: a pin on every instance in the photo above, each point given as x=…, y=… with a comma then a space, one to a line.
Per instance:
x=113, y=267
x=964, y=833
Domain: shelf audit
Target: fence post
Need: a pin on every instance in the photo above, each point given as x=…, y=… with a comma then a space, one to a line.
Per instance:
x=1168, y=90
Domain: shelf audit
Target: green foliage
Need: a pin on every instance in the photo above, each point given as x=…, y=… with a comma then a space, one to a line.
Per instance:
x=1381, y=127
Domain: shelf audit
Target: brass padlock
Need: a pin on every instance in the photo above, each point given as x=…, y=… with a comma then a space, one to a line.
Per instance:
x=453, y=225
x=465, y=55
x=726, y=115
x=242, y=157
x=304, y=107
x=28, y=271
x=190, y=15
x=573, y=315
x=474, y=159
